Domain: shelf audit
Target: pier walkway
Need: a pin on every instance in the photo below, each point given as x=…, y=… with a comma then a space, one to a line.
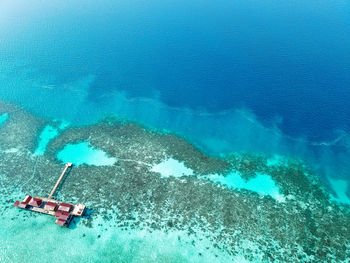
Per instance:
x=59, y=180
x=63, y=212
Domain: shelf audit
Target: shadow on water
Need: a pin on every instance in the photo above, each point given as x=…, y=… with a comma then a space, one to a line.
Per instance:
x=75, y=221
x=73, y=224
x=87, y=213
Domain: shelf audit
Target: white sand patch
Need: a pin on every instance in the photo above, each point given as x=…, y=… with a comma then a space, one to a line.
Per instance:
x=47, y=134
x=84, y=153
x=340, y=187
x=3, y=118
x=172, y=167
x=262, y=184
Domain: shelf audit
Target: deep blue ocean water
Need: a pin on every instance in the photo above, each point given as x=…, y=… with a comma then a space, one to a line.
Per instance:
x=266, y=76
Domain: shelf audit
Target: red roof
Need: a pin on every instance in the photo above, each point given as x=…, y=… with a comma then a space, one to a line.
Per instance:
x=22, y=205
x=63, y=217
x=60, y=222
x=65, y=207
x=51, y=204
x=35, y=202
x=58, y=213
x=65, y=204
x=27, y=199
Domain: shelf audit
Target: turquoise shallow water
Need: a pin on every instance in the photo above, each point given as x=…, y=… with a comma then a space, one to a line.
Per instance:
x=243, y=107
x=37, y=239
x=262, y=184
x=340, y=188
x=3, y=118
x=83, y=153
x=45, y=136
x=48, y=133
x=216, y=134
x=273, y=99
x=154, y=198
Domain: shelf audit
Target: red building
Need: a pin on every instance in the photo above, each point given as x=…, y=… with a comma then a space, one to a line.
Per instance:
x=60, y=222
x=22, y=205
x=50, y=206
x=27, y=199
x=62, y=217
x=36, y=202
x=65, y=207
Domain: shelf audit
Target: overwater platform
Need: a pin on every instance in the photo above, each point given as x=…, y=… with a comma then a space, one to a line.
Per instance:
x=63, y=212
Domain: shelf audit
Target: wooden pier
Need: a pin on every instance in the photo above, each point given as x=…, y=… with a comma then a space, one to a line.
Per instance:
x=63, y=212
x=59, y=180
